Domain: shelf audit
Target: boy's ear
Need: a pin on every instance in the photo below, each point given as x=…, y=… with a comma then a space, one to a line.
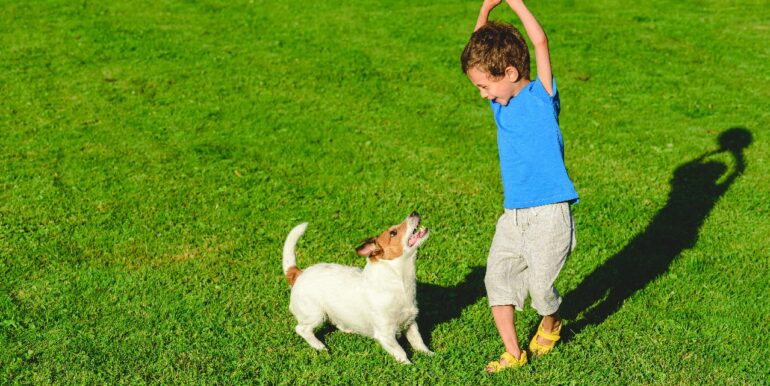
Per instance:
x=512, y=73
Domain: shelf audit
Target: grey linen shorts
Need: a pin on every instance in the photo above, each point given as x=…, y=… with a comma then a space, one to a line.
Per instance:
x=527, y=253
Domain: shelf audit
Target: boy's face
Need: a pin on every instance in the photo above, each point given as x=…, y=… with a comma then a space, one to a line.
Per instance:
x=499, y=90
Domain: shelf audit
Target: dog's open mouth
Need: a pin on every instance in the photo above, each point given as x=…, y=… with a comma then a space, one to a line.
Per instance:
x=418, y=234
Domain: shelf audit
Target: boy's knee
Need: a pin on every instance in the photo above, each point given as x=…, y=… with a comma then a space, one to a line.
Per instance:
x=545, y=300
x=504, y=290
x=497, y=292
x=492, y=283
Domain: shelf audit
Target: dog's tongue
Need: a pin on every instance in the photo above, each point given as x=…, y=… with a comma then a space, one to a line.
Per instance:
x=417, y=236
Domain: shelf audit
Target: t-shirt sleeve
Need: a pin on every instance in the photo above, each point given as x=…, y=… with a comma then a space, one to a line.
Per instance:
x=538, y=90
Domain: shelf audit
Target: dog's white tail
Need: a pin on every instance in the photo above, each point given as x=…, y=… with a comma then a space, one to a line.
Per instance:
x=289, y=259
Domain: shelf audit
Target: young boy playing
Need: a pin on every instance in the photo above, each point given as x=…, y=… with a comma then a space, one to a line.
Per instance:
x=536, y=232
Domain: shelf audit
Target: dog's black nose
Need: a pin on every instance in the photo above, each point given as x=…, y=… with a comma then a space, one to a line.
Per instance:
x=415, y=214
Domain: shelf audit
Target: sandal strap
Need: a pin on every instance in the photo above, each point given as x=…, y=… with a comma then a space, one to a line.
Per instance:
x=494, y=366
x=549, y=336
x=552, y=336
x=511, y=360
x=509, y=357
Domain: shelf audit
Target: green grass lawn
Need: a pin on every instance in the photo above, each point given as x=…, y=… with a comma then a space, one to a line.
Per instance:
x=154, y=155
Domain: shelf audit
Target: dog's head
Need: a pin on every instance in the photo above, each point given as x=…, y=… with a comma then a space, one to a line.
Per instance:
x=396, y=241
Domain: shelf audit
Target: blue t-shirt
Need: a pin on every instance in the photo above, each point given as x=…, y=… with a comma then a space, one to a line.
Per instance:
x=531, y=149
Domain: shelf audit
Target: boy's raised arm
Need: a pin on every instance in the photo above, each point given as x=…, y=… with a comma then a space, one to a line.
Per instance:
x=486, y=8
x=539, y=41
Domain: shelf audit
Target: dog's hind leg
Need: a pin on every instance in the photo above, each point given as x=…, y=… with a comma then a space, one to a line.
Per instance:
x=306, y=332
x=415, y=339
x=306, y=323
x=388, y=341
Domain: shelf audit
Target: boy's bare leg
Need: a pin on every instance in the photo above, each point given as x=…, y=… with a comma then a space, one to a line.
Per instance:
x=504, y=321
x=550, y=323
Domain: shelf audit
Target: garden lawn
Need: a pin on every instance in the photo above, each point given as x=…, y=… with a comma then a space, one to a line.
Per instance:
x=154, y=155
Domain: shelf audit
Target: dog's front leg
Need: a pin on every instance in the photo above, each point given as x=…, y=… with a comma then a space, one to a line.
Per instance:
x=387, y=339
x=415, y=339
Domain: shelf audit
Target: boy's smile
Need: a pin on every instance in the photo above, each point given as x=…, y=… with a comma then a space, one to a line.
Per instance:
x=500, y=90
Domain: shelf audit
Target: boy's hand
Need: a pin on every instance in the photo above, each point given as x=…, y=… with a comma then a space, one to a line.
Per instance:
x=490, y=4
x=486, y=8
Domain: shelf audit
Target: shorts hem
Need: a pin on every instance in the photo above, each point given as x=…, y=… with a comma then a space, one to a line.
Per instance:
x=555, y=309
x=496, y=302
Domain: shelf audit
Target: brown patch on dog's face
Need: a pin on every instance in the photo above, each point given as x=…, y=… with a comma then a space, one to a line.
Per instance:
x=292, y=274
x=388, y=245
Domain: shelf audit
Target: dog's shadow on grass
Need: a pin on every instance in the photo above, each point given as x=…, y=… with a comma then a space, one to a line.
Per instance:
x=437, y=305
x=696, y=187
x=441, y=304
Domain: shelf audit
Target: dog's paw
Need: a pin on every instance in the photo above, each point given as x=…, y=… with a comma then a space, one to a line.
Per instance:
x=318, y=346
x=401, y=359
x=424, y=350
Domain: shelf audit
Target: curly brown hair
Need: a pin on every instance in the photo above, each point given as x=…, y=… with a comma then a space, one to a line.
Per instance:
x=494, y=47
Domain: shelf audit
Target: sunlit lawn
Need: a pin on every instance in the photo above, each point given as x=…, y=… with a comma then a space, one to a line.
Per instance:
x=154, y=155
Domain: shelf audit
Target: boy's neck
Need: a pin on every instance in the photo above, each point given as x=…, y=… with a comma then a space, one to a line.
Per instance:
x=518, y=86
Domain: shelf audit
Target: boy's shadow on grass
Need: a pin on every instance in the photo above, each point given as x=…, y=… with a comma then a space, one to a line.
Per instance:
x=695, y=188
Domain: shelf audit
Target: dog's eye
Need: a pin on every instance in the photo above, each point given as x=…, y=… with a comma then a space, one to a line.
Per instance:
x=393, y=233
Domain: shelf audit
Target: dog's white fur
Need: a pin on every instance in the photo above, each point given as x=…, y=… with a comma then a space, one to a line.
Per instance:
x=378, y=301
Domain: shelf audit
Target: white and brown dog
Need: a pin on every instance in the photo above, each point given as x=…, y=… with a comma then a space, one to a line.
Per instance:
x=377, y=301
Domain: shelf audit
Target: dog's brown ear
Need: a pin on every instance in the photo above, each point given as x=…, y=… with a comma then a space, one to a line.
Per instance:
x=369, y=248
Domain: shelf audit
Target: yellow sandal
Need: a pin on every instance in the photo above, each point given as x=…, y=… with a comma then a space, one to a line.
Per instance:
x=540, y=349
x=512, y=362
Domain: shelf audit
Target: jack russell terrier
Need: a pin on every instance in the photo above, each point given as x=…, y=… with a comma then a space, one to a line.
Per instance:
x=377, y=301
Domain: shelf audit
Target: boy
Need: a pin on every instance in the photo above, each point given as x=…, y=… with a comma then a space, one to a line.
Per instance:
x=536, y=232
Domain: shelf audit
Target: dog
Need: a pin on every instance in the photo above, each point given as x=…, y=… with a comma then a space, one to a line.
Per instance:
x=378, y=301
